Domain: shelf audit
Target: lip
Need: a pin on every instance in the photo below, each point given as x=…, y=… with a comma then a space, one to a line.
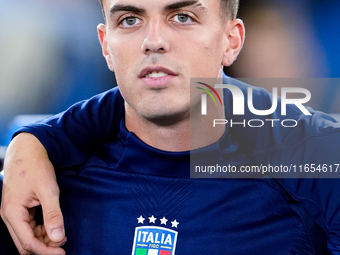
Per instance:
x=150, y=69
x=159, y=82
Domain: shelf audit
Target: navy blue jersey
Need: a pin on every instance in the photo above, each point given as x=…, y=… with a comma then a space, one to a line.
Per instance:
x=110, y=180
x=130, y=198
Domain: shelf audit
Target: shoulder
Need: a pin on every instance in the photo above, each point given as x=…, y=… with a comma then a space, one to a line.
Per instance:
x=262, y=134
x=108, y=97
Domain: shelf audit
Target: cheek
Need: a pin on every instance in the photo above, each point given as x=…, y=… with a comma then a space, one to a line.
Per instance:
x=204, y=53
x=122, y=53
x=213, y=47
x=122, y=63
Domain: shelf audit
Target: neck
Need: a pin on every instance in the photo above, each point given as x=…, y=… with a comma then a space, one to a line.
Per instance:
x=191, y=132
x=171, y=137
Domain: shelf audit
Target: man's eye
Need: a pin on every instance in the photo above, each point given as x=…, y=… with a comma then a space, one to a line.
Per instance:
x=183, y=18
x=129, y=22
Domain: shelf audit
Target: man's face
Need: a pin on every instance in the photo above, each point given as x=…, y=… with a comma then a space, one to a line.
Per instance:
x=155, y=47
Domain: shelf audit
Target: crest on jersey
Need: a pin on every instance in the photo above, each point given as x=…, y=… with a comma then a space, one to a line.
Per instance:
x=153, y=240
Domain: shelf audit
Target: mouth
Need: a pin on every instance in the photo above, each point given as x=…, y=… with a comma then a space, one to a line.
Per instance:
x=155, y=72
x=156, y=78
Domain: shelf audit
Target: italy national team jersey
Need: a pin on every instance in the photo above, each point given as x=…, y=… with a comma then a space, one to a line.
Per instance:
x=133, y=199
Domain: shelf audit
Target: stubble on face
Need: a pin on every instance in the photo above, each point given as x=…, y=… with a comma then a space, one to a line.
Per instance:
x=154, y=60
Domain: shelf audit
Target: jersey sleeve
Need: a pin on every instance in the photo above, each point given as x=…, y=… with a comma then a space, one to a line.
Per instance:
x=320, y=199
x=317, y=156
x=71, y=136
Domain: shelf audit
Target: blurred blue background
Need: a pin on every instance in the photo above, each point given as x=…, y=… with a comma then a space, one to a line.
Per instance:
x=50, y=56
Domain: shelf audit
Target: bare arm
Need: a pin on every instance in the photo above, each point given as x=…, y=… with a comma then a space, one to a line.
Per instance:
x=29, y=181
x=66, y=139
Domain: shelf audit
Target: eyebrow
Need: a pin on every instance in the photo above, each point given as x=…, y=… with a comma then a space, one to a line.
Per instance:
x=182, y=4
x=169, y=7
x=126, y=8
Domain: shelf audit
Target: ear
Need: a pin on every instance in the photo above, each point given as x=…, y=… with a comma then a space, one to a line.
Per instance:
x=105, y=47
x=235, y=35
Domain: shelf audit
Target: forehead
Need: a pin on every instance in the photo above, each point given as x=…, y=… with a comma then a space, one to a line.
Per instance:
x=161, y=5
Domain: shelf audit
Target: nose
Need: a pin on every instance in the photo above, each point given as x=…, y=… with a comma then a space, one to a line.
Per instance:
x=155, y=40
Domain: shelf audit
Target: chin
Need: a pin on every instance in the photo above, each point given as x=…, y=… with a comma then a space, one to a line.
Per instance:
x=167, y=118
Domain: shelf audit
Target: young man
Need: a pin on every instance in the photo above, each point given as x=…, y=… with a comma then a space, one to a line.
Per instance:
x=141, y=176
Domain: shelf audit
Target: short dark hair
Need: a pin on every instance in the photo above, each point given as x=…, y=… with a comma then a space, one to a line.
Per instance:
x=229, y=8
